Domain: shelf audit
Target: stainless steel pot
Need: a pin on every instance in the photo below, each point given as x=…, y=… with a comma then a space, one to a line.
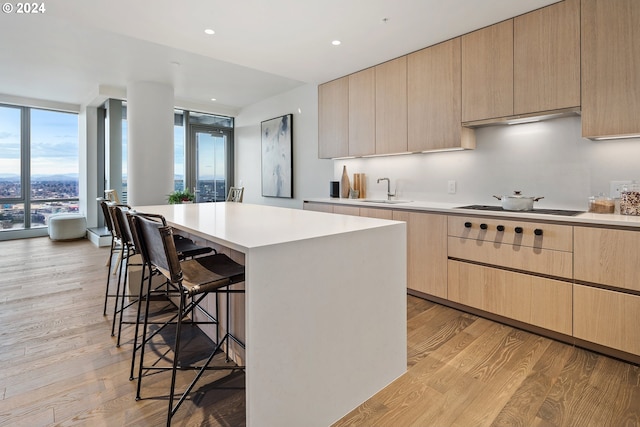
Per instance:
x=517, y=202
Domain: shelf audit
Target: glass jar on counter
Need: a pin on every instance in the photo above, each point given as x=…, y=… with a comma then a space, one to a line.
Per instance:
x=630, y=200
x=601, y=204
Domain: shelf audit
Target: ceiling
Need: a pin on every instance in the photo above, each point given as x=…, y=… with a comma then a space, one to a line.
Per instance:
x=77, y=48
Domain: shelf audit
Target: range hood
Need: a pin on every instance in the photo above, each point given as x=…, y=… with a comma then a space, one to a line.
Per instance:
x=523, y=118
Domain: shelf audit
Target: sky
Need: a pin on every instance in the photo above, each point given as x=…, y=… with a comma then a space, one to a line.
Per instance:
x=54, y=145
x=54, y=142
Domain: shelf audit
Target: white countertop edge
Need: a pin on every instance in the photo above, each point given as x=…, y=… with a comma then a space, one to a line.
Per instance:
x=586, y=218
x=243, y=226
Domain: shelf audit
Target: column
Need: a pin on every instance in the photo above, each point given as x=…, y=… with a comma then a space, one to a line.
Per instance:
x=150, y=107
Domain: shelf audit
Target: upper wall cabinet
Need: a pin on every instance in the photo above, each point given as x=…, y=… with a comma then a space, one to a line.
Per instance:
x=546, y=67
x=391, y=106
x=362, y=113
x=333, y=119
x=610, y=68
x=434, y=100
x=487, y=72
x=523, y=66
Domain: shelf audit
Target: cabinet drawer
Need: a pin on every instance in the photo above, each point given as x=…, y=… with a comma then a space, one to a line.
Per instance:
x=346, y=210
x=535, y=300
x=535, y=260
x=607, y=317
x=532, y=234
x=317, y=207
x=609, y=257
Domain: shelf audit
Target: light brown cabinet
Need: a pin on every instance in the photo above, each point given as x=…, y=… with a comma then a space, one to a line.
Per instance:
x=608, y=257
x=549, y=253
x=487, y=72
x=505, y=266
x=362, y=113
x=526, y=65
x=546, y=67
x=434, y=99
x=391, y=106
x=610, y=68
x=333, y=119
x=607, y=318
x=535, y=300
x=346, y=210
x=376, y=213
x=317, y=207
x=426, y=251
x=549, y=275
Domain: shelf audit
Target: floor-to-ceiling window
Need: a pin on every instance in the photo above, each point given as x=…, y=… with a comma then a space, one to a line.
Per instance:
x=39, y=168
x=203, y=152
x=179, y=167
x=209, y=156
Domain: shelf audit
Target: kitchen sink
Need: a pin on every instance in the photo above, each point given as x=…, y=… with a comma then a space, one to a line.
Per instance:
x=390, y=202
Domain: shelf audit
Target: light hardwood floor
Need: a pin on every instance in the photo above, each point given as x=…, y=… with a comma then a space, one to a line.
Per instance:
x=60, y=366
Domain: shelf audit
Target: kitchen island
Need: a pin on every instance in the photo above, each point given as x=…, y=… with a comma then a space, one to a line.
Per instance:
x=325, y=305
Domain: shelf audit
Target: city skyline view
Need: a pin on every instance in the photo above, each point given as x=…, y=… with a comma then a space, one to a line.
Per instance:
x=43, y=145
x=53, y=142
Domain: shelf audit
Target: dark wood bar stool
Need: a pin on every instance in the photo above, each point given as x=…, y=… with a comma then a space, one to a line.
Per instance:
x=194, y=279
x=185, y=248
x=116, y=248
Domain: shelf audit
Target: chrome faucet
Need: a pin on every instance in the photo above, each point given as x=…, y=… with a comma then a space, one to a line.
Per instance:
x=389, y=193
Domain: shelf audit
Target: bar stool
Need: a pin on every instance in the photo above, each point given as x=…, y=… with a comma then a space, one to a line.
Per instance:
x=235, y=194
x=195, y=279
x=127, y=250
x=116, y=247
x=185, y=248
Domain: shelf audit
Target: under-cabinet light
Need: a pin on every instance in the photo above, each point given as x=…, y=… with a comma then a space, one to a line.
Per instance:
x=604, y=138
x=442, y=150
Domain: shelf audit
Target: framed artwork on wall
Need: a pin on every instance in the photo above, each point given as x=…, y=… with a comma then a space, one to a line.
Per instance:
x=277, y=157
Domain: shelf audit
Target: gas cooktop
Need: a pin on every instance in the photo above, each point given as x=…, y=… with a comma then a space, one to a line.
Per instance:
x=562, y=212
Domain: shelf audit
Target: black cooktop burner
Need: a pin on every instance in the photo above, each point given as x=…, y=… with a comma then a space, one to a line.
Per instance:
x=563, y=212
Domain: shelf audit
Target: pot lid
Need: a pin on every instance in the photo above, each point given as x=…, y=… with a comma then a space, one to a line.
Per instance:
x=517, y=195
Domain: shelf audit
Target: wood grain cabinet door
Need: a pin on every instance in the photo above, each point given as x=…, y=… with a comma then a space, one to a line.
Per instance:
x=362, y=113
x=434, y=99
x=333, y=119
x=546, y=66
x=426, y=252
x=608, y=257
x=487, y=72
x=606, y=317
x=539, y=301
x=391, y=106
x=610, y=68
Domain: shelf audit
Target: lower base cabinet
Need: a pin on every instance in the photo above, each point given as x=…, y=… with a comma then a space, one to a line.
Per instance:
x=601, y=256
x=607, y=317
x=542, y=302
x=426, y=251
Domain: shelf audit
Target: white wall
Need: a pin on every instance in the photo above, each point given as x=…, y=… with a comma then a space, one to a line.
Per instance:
x=547, y=159
x=311, y=175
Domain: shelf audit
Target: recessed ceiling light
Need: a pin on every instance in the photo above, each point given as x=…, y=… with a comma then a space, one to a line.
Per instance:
x=336, y=42
x=213, y=99
x=209, y=31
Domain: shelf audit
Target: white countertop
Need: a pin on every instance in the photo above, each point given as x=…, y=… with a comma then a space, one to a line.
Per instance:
x=612, y=220
x=242, y=226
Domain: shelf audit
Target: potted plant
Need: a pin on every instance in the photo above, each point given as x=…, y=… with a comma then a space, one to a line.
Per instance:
x=181, y=196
